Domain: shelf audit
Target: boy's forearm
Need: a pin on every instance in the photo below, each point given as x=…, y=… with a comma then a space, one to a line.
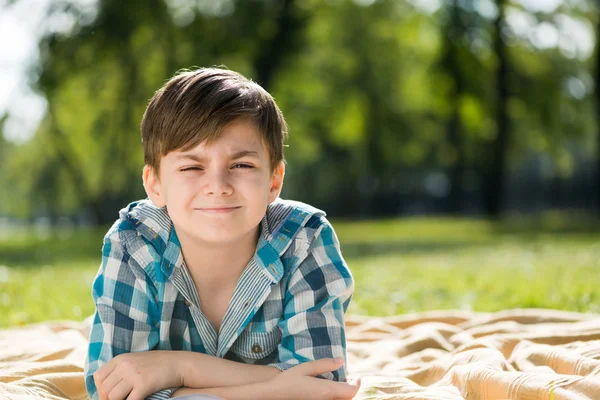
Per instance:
x=204, y=371
x=251, y=391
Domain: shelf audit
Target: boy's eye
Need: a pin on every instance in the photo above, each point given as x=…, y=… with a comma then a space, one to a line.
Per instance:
x=242, y=166
x=190, y=169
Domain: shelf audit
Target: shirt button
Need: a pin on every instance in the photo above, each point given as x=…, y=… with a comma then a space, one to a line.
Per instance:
x=187, y=303
x=256, y=348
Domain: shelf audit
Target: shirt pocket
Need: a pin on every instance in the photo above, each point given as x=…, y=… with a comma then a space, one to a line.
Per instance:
x=257, y=345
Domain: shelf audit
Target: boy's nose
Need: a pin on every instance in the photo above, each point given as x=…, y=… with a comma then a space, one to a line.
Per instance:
x=217, y=184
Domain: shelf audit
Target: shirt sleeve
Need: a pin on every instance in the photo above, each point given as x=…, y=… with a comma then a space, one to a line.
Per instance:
x=318, y=295
x=127, y=314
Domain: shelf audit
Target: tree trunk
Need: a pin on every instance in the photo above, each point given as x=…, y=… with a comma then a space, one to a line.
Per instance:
x=273, y=52
x=494, y=184
x=454, y=32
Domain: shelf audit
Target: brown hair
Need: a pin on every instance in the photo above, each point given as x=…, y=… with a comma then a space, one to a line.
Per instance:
x=195, y=106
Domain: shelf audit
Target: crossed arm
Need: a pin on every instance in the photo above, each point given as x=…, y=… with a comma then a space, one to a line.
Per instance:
x=136, y=375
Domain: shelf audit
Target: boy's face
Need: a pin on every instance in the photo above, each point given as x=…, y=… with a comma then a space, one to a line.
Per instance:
x=217, y=193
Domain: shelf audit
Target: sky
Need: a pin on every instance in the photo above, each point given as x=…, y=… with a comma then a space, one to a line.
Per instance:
x=23, y=22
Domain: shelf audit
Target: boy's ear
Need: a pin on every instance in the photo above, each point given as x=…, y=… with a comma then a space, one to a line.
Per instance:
x=153, y=187
x=277, y=182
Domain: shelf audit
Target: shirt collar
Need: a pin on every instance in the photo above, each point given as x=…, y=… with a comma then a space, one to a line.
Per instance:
x=279, y=226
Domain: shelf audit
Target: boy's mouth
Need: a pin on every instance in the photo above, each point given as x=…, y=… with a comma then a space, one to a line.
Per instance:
x=217, y=210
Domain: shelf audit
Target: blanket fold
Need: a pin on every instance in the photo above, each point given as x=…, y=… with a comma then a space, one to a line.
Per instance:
x=513, y=354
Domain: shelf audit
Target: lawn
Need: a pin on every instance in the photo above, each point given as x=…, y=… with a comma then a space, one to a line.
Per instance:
x=399, y=265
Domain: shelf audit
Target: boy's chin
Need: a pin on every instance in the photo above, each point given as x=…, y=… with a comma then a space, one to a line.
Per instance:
x=217, y=238
x=222, y=233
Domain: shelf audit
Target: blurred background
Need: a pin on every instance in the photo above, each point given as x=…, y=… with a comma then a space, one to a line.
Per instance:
x=454, y=144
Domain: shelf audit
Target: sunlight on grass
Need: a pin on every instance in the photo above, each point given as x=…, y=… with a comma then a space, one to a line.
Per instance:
x=488, y=278
x=49, y=292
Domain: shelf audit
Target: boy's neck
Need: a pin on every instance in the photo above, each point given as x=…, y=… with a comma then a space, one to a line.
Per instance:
x=218, y=263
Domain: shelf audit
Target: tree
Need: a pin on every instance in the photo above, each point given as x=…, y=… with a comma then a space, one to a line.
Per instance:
x=495, y=175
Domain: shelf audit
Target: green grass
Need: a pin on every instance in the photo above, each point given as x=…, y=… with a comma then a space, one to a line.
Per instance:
x=49, y=292
x=399, y=266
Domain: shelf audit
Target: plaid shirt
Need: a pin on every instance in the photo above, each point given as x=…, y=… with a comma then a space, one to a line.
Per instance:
x=287, y=308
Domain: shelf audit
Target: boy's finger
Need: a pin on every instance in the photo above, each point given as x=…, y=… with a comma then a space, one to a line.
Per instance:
x=318, y=367
x=120, y=391
x=102, y=372
x=101, y=394
x=110, y=382
x=104, y=390
x=346, y=390
x=136, y=395
x=355, y=382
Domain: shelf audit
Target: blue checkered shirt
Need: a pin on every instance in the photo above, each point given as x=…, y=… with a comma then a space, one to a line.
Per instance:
x=287, y=308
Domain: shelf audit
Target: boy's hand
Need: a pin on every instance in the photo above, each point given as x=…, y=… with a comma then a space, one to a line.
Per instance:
x=134, y=376
x=300, y=382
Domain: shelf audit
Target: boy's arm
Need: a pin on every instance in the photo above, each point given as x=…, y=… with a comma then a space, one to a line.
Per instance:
x=205, y=371
x=318, y=295
x=298, y=383
x=139, y=374
x=251, y=391
x=127, y=314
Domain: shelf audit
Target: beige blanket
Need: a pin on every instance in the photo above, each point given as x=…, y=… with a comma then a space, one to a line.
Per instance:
x=516, y=354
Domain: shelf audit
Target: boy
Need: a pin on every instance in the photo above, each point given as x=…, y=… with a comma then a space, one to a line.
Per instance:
x=238, y=293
